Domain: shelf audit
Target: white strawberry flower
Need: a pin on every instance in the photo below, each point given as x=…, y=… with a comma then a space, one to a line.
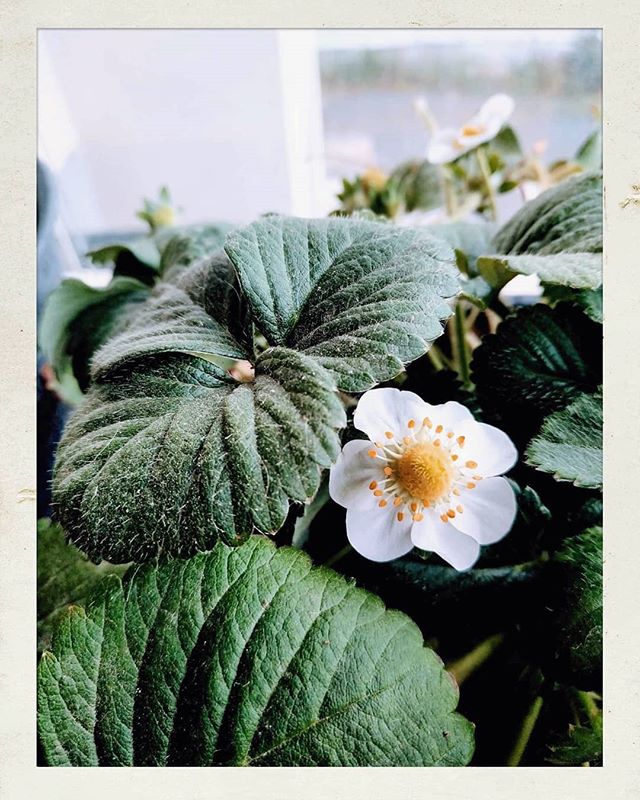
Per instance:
x=427, y=477
x=447, y=144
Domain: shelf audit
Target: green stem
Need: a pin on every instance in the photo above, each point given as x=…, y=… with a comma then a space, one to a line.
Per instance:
x=528, y=724
x=448, y=189
x=486, y=177
x=462, y=349
x=434, y=358
x=468, y=664
x=337, y=556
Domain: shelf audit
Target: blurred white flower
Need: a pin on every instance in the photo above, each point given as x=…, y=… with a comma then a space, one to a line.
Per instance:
x=425, y=478
x=447, y=144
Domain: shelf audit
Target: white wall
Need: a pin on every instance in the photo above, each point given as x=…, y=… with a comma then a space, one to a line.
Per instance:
x=229, y=120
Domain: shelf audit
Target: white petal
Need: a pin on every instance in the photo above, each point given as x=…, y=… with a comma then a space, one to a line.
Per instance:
x=351, y=475
x=490, y=447
x=489, y=511
x=456, y=548
x=450, y=414
x=496, y=110
x=443, y=146
x=381, y=410
x=377, y=535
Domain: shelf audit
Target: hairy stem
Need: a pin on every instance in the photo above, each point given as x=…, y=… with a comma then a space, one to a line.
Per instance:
x=481, y=157
x=462, y=348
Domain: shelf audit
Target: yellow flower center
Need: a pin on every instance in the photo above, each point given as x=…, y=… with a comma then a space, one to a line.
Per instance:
x=425, y=471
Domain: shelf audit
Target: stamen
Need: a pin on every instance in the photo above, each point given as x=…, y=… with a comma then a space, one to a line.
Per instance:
x=414, y=507
x=378, y=493
x=436, y=442
x=411, y=423
x=439, y=429
x=444, y=518
x=388, y=434
x=388, y=471
x=451, y=513
x=382, y=503
x=418, y=517
x=407, y=440
x=477, y=477
x=471, y=486
x=471, y=464
x=449, y=434
x=459, y=509
x=373, y=485
x=400, y=516
x=460, y=441
x=372, y=453
x=454, y=457
x=397, y=501
x=456, y=492
x=426, y=421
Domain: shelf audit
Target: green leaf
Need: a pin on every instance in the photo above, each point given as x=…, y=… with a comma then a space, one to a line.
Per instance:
x=170, y=322
x=589, y=300
x=244, y=657
x=469, y=240
x=418, y=184
x=184, y=247
x=576, y=270
x=169, y=453
x=572, y=624
x=537, y=362
x=569, y=445
x=589, y=153
x=65, y=576
x=564, y=219
x=77, y=319
x=360, y=297
x=581, y=745
x=143, y=250
x=507, y=145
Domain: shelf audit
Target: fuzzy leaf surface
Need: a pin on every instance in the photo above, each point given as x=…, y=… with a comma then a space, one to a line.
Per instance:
x=569, y=445
x=360, y=297
x=246, y=656
x=171, y=453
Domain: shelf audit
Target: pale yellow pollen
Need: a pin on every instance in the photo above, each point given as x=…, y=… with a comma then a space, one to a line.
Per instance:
x=418, y=517
x=456, y=492
x=372, y=453
x=477, y=477
x=472, y=130
x=449, y=434
x=373, y=485
x=426, y=421
x=471, y=464
x=411, y=423
x=459, y=509
x=460, y=441
x=388, y=434
x=400, y=516
x=425, y=472
x=407, y=440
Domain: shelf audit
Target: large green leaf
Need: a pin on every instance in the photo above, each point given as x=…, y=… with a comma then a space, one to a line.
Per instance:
x=564, y=219
x=557, y=236
x=537, y=362
x=183, y=247
x=569, y=445
x=77, y=319
x=571, y=625
x=418, y=184
x=170, y=453
x=245, y=656
x=65, y=576
x=170, y=322
x=361, y=297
